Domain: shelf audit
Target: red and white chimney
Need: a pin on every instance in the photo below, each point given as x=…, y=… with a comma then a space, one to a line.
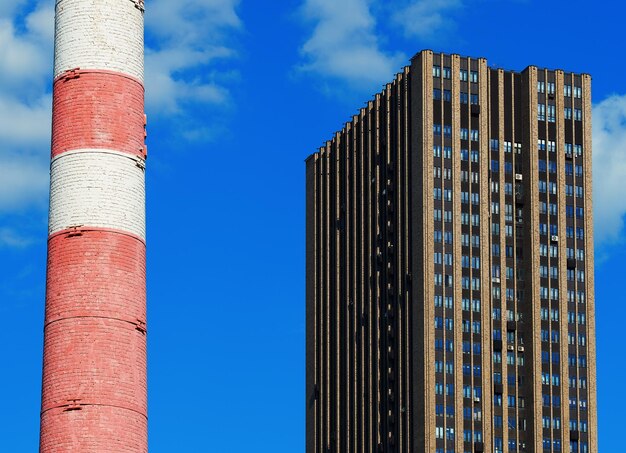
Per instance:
x=94, y=366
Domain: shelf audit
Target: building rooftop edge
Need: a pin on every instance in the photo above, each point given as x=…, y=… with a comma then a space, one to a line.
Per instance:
x=423, y=51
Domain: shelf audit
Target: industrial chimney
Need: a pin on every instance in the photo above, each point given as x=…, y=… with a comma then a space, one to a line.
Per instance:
x=94, y=366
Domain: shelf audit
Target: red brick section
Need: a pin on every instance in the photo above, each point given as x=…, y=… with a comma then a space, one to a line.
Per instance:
x=93, y=429
x=98, y=109
x=94, y=375
x=98, y=273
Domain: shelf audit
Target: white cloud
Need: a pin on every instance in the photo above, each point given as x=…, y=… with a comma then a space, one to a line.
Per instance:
x=9, y=238
x=190, y=35
x=187, y=36
x=425, y=18
x=344, y=43
x=609, y=168
x=25, y=107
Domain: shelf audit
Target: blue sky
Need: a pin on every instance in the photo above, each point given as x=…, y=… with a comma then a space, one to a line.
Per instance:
x=239, y=92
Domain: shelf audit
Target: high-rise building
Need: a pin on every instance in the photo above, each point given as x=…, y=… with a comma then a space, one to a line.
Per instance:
x=94, y=367
x=450, y=301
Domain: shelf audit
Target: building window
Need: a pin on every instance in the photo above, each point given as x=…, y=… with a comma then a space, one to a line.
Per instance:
x=436, y=71
x=436, y=94
x=447, y=72
x=551, y=113
x=541, y=87
x=541, y=112
x=578, y=115
x=447, y=95
x=474, y=76
x=578, y=150
x=568, y=113
x=567, y=91
x=463, y=75
x=578, y=92
x=464, y=98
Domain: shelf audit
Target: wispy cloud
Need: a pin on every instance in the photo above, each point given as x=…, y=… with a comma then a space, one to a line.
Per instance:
x=25, y=106
x=344, y=43
x=187, y=38
x=425, y=18
x=9, y=238
x=609, y=168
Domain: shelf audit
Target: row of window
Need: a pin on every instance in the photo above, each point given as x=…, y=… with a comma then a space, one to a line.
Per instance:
x=571, y=149
x=578, y=114
x=551, y=401
x=581, y=426
x=551, y=423
x=552, y=336
x=578, y=447
x=508, y=146
x=551, y=113
x=440, y=432
x=550, y=88
x=553, y=272
x=495, y=166
x=510, y=358
x=466, y=134
x=556, y=444
x=553, y=252
x=569, y=169
x=552, y=208
x=578, y=383
x=508, y=187
x=512, y=401
x=510, y=314
x=446, y=95
x=464, y=74
x=441, y=389
x=552, y=293
x=466, y=282
x=555, y=358
x=548, y=379
x=439, y=301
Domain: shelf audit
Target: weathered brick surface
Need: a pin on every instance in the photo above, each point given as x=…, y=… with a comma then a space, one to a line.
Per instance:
x=99, y=273
x=99, y=34
x=94, y=361
x=98, y=110
x=93, y=429
x=94, y=396
x=94, y=389
x=97, y=188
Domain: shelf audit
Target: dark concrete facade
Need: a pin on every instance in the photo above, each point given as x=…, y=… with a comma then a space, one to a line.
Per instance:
x=450, y=303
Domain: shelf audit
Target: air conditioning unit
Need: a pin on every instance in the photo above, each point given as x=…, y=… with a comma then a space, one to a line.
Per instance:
x=554, y=238
x=520, y=348
x=518, y=177
x=495, y=280
x=477, y=399
x=511, y=348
